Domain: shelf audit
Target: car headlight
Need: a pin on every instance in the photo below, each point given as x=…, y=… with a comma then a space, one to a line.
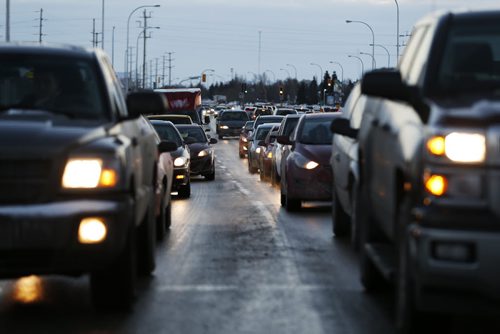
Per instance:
x=302, y=162
x=243, y=139
x=225, y=127
x=88, y=173
x=180, y=161
x=204, y=153
x=257, y=150
x=459, y=147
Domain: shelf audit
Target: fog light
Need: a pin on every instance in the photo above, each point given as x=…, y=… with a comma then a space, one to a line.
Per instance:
x=436, y=185
x=453, y=251
x=179, y=177
x=92, y=231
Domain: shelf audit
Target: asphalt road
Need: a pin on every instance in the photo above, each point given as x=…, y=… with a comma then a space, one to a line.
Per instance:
x=233, y=262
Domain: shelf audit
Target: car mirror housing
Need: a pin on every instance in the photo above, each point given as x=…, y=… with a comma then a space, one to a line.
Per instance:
x=213, y=141
x=284, y=140
x=145, y=103
x=385, y=83
x=207, y=119
x=166, y=146
x=342, y=127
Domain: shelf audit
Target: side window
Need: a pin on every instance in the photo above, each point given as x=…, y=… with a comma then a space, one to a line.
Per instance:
x=421, y=57
x=118, y=98
x=409, y=53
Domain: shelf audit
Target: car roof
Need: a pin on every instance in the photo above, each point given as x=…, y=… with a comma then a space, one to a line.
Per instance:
x=161, y=122
x=267, y=125
x=188, y=126
x=48, y=49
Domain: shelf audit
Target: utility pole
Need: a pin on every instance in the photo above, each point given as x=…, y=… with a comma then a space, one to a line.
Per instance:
x=102, y=29
x=258, y=62
x=113, y=48
x=40, y=26
x=156, y=74
x=170, y=68
x=93, y=33
x=144, y=50
x=7, y=21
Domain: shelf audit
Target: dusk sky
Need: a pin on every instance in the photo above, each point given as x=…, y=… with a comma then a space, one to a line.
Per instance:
x=224, y=35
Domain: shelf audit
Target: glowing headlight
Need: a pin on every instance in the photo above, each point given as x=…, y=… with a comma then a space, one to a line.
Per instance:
x=465, y=147
x=225, y=127
x=257, y=150
x=180, y=161
x=83, y=173
x=269, y=155
x=92, y=231
x=244, y=140
x=203, y=153
x=303, y=162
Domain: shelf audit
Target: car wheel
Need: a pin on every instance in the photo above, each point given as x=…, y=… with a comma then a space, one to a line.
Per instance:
x=356, y=214
x=340, y=219
x=293, y=204
x=261, y=175
x=113, y=288
x=147, y=244
x=251, y=169
x=185, y=191
x=211, y=175
x=242, y=155
x=221, y=136
x=161, y=220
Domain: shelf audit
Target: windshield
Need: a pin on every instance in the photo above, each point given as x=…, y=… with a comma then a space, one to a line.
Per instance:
x=262, y=133
x=234, y=116
x=59, y=85
x=316, y=131
x=168, y=132
x=471, y=60
x=194, y=135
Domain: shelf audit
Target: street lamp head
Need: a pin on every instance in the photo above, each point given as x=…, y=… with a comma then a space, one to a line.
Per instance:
x=155, y=6
x=349, y=56
x=348, y=21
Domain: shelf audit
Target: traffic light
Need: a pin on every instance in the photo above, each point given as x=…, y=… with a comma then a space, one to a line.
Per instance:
x=330, y=82
x=281, y=91
x=203, y=77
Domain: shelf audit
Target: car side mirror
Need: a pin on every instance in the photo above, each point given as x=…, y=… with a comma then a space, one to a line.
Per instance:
x=386, y=83
x=212, y=141
x=166, y=146
x=284, y=140
x=145, y=103
x=207, y=119
x=342, y=127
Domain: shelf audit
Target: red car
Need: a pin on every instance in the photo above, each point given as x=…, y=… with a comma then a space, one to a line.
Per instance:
x=306, y=172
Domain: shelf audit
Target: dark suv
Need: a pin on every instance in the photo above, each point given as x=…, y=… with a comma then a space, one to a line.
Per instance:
x=230, y=123
x=77, y=170
x=429, y=155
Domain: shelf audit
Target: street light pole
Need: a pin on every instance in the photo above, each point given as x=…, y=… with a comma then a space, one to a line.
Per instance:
x=288, y=72
x=126, y=50
x=294, y=68
x=321, y=71
x=362, y=64
x=341, y=68
x=373, y=39
x=367, y=54
x=397, y=33
x=102, y=26
x=388, y=54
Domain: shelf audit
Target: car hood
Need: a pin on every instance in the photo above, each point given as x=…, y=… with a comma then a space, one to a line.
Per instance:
x=44, y=138
x=480, y=113
x=318, y=153
x=195, y=148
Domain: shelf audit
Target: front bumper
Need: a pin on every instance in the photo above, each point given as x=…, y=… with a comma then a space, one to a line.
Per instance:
x=231, y=132
x=309, y=185
x=201, y=165
x=462, y=279
x=181, y=178
x=43, y=238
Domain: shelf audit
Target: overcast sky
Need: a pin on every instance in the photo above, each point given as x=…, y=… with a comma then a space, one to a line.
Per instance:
x=224, y=34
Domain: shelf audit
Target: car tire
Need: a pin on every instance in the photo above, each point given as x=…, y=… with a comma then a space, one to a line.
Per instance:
x=242, y=155
x=340, y=219
x=261, y=175
x=113, y=288
x=210, y=176
x=185, y=191
x=147, y=245
x=168, y=215
x=221, y=136
x=356, y=215
x=293, y=204
x=251, y=170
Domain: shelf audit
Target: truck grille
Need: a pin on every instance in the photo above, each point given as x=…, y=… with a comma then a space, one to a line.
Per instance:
x=24, y=181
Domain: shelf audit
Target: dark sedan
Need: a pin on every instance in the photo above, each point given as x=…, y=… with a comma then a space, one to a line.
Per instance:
x=245, y=133
x=202, y=153
x=182, y=161
x=230, y=122
x=306, y=173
